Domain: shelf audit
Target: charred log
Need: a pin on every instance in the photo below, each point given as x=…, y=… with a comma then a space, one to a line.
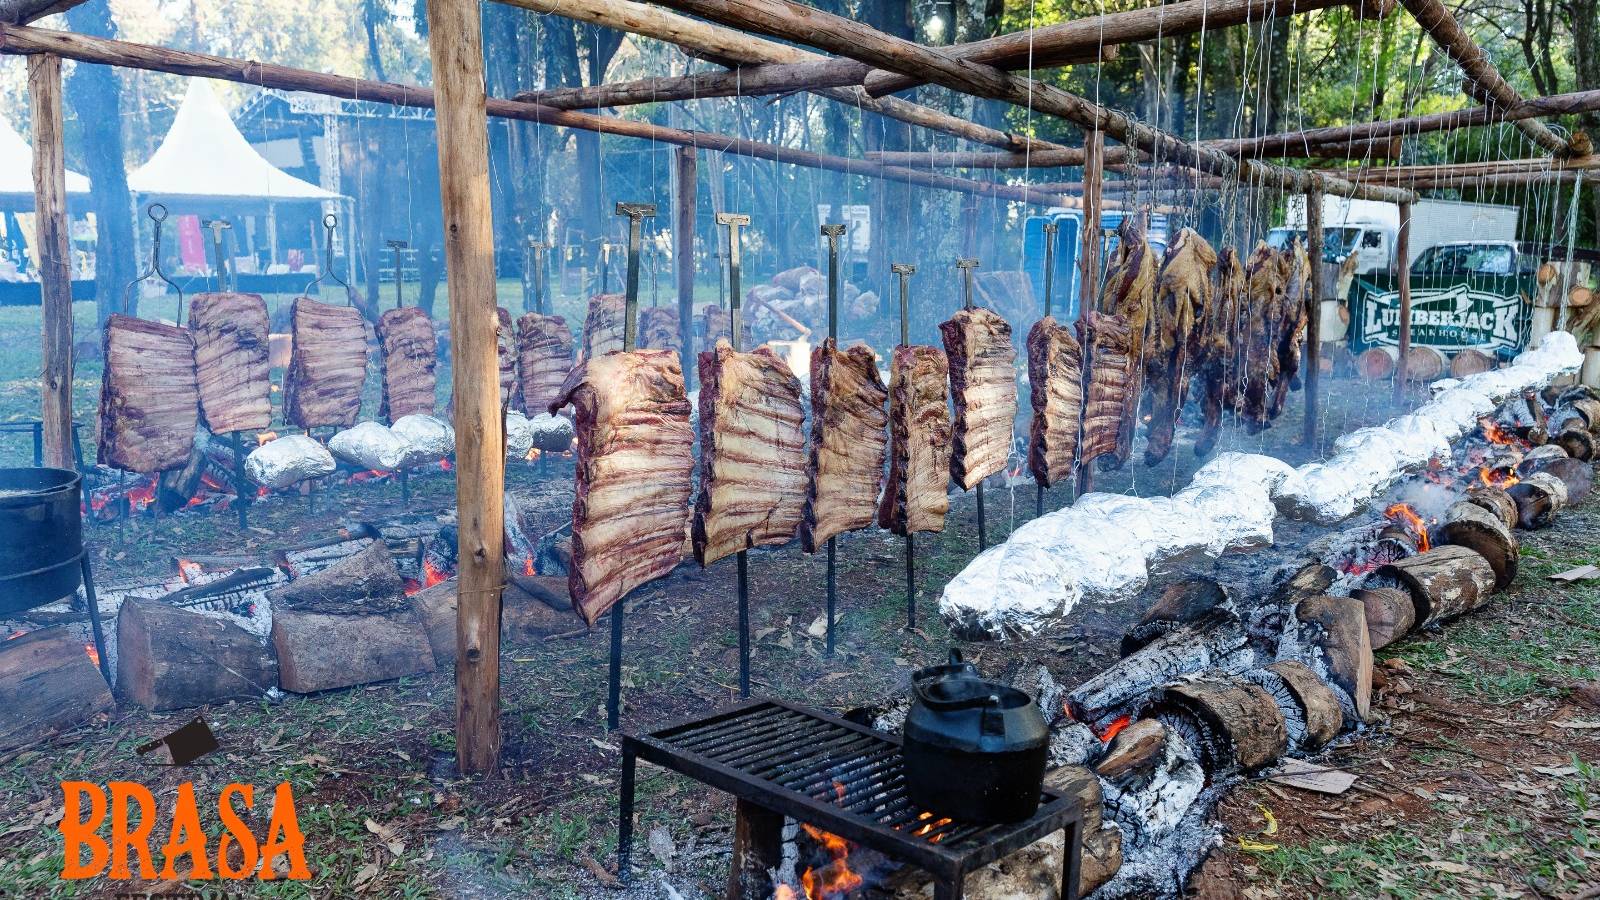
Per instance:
x=1577, y=441
x=1233, y=723
x=1391, y=614
x=1180, y=604
x=1209, y=642
x=1494, y=500
x=47, y=684
x=1471, y=526
x=1539, y=497
x=1135, y=751
x=1320, y=715
x=169, y=657
x=1337, y=627
x=1444, y=582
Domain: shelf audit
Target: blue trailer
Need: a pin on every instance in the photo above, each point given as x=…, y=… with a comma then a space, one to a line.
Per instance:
x=1070, y=223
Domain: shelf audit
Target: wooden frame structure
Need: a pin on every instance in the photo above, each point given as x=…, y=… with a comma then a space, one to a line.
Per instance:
x=867, y=65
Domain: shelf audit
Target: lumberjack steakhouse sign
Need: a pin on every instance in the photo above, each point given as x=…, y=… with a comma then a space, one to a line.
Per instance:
x=1451, y=317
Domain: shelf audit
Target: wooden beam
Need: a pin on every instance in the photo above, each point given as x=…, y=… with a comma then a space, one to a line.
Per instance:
x=683, y=253
x=982, y=159
x=83, y=48
x=455, y=44
x=55, y=270
x=1068, y=42
x=1445, y=171
x=1313, y=317
x=21, y=12
x=1515, y=179
x=792, y=21
x=1485, y=80
x=1402, y=262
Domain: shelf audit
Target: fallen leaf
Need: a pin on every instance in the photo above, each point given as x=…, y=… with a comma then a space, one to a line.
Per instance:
x=1250, y=846
x=1445, y=865
x=599, y=871
x=1272, y=821
x=1556, y=771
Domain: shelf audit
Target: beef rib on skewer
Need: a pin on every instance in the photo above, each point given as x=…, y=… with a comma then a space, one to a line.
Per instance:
x=1108, y=365
x=915, y=498
x=544, y=357
x=603, y=325
x=1183, y=294
x=1055, y=383
x=630, y=512
x=408, y=355
x=149, y=396
x=327, y=367
x=231, y=344
x=1129, y=294
x=1217, y=368
x=1267, y=280
x=848, y=441
x=983, y=383
x=1293, y=321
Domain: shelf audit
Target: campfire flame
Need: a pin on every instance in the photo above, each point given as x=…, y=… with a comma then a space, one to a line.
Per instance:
x=1500, y=478
x=1115, y=728
x=15, y=634
x=188, y=569
x=835, y=879
x=369, y=475
x=1408, y=518
x=527, y=567
x=929, y=826
x=1494, y=434
x=94, y=655
x=532, y=455
x=839, y=791
x=262, y=437
x=141, y=496
x=431, y=574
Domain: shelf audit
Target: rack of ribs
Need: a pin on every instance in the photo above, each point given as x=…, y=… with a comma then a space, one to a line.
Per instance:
x=408, y=355
x=1055, y=383
x=1129, y=294
x=231, y=343
x=844, y=468
x=603, y=325
x=544, y=357
x=983, y=383
x=915, y=498
x=1183, y=294
x=327, y=367
x=1217, y=366
x=149, y=397
x=1108, y=366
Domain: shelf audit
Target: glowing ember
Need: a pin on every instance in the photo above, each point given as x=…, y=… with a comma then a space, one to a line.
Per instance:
x=188, y=569
x=1114, y=729
x=94, y=655
x=211, y=482
x=444, y=465
x=263, y=436
x=785, y=893
x=533, y=455
x=262, y=491
x=929, y=826
x=1498, y=478
x=839, y=790
x=411, y=586
x=15, y=634
x=369, y=475
x=431, y=575
x=1413, y=524
x=1494, y=434
x=527, y=567
x=141, y=496
x=835, y=879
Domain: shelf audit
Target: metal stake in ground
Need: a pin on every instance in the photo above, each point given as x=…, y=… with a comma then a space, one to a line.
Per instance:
x=966, y=266
x=399, y=301
x=240, y=486
x=832, y=233
x=905, y=271
x=538, y=247
x=218, y=226
x=735, y=221
x=605, y=266
x=636, y=213
x=1050, y=229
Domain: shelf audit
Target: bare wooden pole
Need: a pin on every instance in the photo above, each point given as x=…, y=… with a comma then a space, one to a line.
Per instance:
x=1442, y=171
x=1089, y=260
x=683, y=253
x=1483, y=78
x=1402, y=261
x=1313, y=316
x=792, y=21
x=455, y=45
x=55, y=271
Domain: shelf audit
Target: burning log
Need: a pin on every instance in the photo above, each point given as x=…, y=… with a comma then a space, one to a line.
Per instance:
x=1471, y=362
x=1310, y=707
x=1102, y=843
x=1538, y=497
x=1180, y=604
x=1469, y=525
x=1230, y=722
x=1588, y=409
x=169, y=657
x=1577, y=441
x=1391, y=614
x=367, y=576
x=1577, y=476
x=1337, y=628
x=1213, y=641
x=1134, y=751
x=48, y=684
x=1495, y=500
x=1444, y=582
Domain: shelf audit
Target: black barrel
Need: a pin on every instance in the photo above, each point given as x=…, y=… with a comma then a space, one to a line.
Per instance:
x=41, y=536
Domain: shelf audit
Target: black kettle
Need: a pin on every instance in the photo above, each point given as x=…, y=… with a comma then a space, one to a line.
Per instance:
x=974, y=749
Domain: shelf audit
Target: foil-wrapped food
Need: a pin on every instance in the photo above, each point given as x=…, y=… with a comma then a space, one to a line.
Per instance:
x=287, y=461
x=428, y=439
x=370, y=445
x=543, y=432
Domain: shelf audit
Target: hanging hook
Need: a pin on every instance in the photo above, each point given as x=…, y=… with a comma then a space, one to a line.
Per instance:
x=158, y=214
x=330, y=222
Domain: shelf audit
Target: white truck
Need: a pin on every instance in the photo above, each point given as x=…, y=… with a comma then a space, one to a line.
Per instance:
x=1370, y=229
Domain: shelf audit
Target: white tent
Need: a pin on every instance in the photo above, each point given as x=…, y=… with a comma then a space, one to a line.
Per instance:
x=205, y=156
x=16, y=167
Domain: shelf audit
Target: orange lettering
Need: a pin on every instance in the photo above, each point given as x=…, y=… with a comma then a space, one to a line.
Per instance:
x=236, y=832
x=137, y=840
x=292, y=844
x=187, y=838
x=78, y=833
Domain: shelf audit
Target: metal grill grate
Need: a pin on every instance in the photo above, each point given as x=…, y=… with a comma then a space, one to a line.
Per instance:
x=839, y=776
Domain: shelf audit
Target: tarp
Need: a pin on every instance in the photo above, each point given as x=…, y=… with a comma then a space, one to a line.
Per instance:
x=204, y=155
x=16, y=166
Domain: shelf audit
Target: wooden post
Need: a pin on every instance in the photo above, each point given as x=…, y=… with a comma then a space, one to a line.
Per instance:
x=1313, y=313
x=757, y=849
x=1402, y=262
x=55, y=270
x=1094, y=156
x=683, y=254
x=456, y=47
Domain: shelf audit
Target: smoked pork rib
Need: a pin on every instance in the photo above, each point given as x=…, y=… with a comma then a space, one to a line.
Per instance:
x=327, y=367
x=983, y=383
x=848, y=441
x=231, y=340
x=1266, y=281
x=1183, y=294
x=1129, y=294
x=630, y=512
x=752, y=453
x=914, y=497
x=1055, y=384
x=1291, y=326
x=149, y=397
x=408, y=355
x=1216, y=369
x=544, y=357
x=1108, y=365
x=603, y=326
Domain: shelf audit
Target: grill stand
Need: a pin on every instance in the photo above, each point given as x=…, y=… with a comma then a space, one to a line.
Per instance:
x=733, y=749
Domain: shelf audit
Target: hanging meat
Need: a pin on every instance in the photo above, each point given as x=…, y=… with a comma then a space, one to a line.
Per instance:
x=630, y=512
x=848, y=440
x=506, y=358
x=1292, y=324
x=1183, y=294
x=658, y=328
x=1216, y=368
x=983, y=383
x=1055, y=383
x=1266, y=281
x=752, y=453
x=1129, y=294
x=544, y=357
x=327, y=366
x=149, y=396
x=1108, y=364
x=408, y=354
x=716, y=324
x=231, y=343
x=603, y=327
x=915, y=498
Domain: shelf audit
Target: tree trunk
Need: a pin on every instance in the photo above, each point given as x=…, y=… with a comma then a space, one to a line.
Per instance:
x=95, y=94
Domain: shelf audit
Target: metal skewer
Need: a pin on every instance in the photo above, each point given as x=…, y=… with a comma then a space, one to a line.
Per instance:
x=218, y=226
x=538, y=247
x=832, y=233
x=966, y=266
x=735, y=221
x=1050, y=229
x=905, y=271
x=399, y=301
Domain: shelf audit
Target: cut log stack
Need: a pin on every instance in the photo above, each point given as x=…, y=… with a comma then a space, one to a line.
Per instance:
x=48, y=684
x=1232, y=722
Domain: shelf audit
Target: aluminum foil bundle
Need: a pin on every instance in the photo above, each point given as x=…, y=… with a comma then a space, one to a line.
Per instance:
x=1237, y=517
x=369, y=445
x=551, y=434
x=519, y=435
x=287, y=461
x=428, y=439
